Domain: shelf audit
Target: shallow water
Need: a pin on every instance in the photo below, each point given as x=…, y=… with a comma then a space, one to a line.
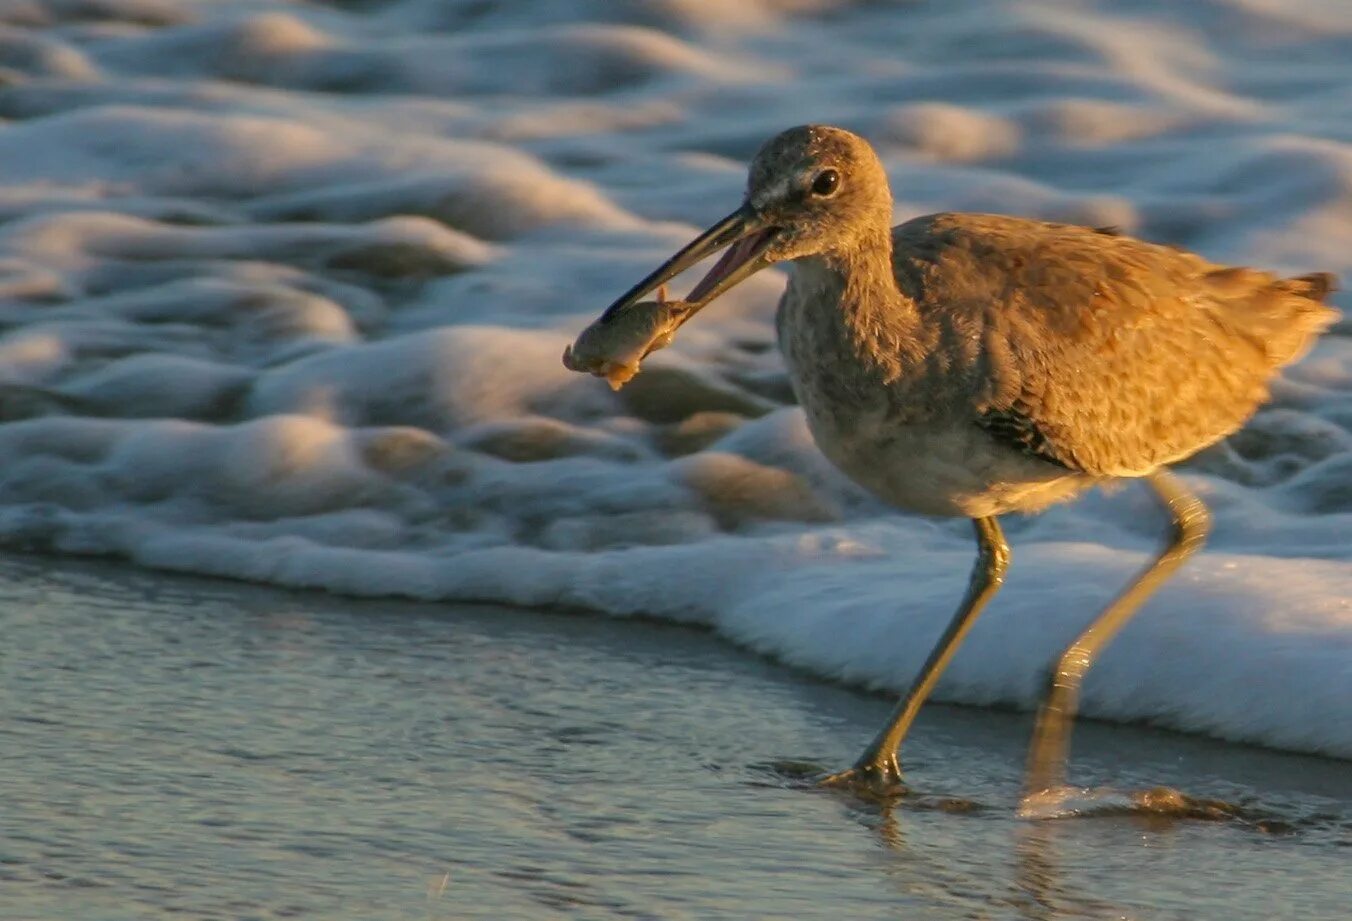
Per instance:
x=183, y=748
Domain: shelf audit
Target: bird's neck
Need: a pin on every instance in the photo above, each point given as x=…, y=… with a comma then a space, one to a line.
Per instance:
x=859, y=280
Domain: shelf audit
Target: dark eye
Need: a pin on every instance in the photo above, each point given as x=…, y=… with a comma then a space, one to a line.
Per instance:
x=826, y=183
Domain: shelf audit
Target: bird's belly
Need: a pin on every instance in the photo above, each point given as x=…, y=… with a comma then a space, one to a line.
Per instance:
x=940, y=469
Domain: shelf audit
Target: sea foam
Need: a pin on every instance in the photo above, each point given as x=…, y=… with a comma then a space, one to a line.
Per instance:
x=285, y=289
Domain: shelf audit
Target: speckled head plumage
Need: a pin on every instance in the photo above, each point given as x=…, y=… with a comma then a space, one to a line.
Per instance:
x=821, y=187
x=811, y=190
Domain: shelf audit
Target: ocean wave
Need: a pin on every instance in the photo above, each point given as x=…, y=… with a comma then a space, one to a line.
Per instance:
x=285, y=289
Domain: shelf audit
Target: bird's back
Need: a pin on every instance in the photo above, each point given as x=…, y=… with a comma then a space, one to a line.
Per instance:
x=1098, y=352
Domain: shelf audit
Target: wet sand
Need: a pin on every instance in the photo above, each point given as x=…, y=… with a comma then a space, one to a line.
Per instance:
x=178, y=747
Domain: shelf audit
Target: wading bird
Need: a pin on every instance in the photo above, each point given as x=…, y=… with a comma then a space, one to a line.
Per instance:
x=975, y=365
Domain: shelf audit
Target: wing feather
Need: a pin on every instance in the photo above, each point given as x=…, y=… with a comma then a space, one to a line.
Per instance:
x=1102, y=353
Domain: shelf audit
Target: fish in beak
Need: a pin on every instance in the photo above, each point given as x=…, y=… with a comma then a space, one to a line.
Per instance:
x=744, y=235
x=632, y=328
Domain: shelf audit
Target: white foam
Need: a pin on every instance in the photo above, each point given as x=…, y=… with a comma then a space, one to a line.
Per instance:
x=285, y=290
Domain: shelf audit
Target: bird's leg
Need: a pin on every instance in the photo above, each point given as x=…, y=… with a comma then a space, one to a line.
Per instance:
x=878, y=769
x=1051, y=736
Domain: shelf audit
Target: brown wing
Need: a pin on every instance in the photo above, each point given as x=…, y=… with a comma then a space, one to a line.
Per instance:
x=1099, y=352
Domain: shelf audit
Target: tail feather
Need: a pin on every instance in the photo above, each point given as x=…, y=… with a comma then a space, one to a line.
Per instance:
x=1302, y=317
x=1316, y=286
x=1281, y=317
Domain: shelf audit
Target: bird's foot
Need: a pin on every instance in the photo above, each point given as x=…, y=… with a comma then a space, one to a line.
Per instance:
x=878, y=778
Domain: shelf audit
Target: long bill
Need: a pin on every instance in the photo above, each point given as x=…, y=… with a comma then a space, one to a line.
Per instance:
x=746, y=236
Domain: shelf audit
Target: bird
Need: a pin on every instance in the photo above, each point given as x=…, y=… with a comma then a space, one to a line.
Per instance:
x=974, y=366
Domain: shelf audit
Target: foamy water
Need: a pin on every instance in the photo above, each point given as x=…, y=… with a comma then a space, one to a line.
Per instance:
x=285, y=289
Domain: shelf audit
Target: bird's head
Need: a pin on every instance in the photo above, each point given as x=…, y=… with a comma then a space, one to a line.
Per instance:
x=811, y=190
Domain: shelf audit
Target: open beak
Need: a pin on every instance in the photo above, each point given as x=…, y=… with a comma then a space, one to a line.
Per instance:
x=746, y=237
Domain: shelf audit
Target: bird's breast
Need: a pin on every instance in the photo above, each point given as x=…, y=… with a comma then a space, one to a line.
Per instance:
x=897, y=435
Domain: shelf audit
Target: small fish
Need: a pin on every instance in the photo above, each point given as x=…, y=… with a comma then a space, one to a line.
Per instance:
x=613, y=349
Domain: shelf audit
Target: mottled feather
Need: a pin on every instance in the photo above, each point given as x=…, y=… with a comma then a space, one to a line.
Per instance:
x=1102, y=353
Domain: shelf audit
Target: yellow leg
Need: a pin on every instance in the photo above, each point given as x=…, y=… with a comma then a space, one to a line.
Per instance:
x=1051, y=737
x=878, y=768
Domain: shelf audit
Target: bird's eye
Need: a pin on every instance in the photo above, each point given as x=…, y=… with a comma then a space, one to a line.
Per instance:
x=826, y=183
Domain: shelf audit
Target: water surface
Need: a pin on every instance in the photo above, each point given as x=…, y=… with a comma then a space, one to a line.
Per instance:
x=176, y=747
